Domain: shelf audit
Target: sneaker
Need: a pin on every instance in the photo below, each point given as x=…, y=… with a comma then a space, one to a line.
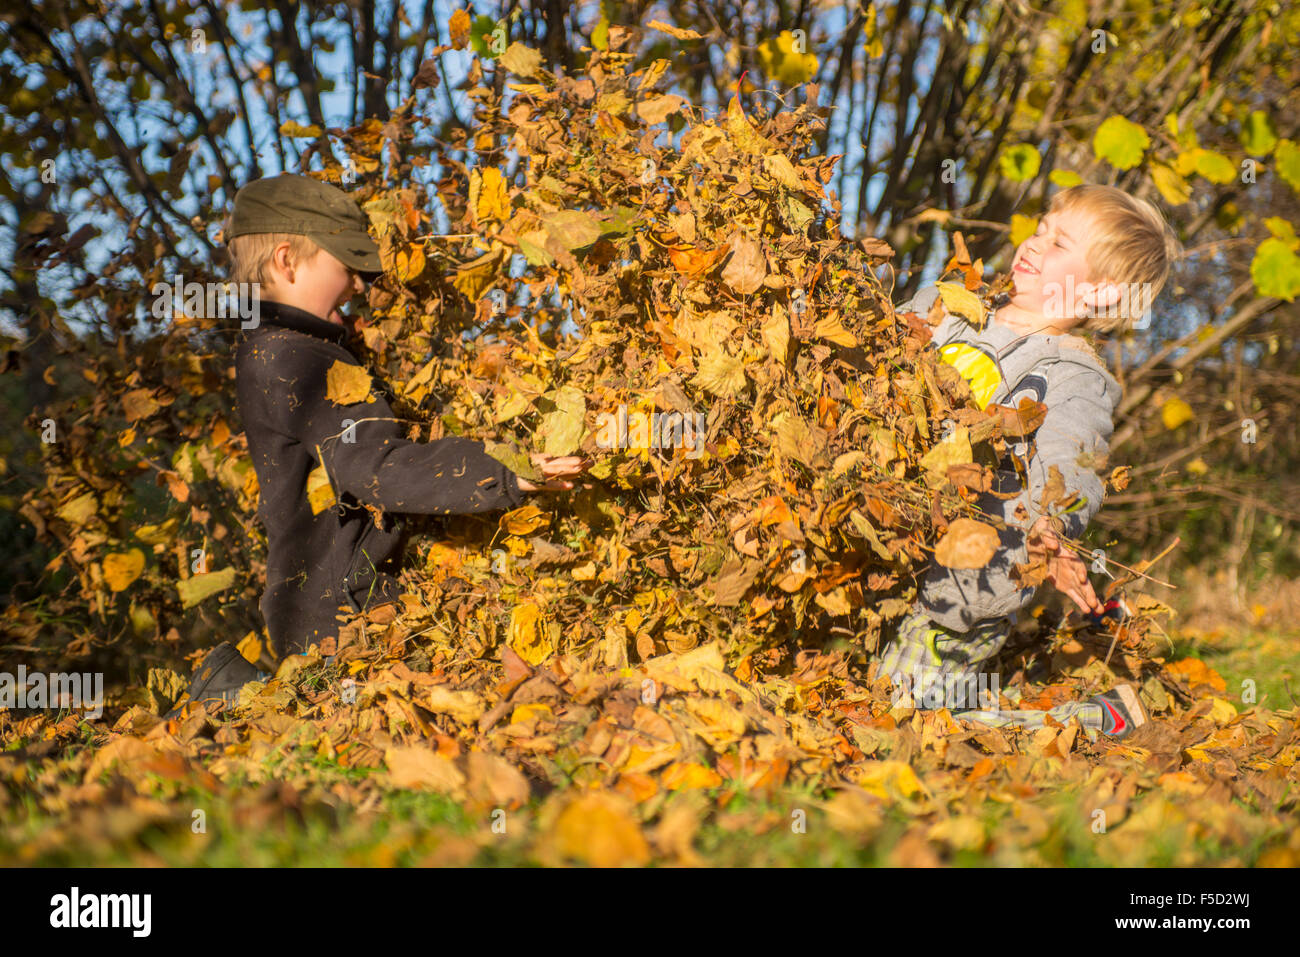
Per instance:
x=1122, y=712
x=223, y=672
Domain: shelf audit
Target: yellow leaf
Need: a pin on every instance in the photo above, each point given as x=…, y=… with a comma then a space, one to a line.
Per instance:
x=459, y=28
x=889, y=780
x=960, y=301
x=528, y=634
x=472, y=280
x=525, y=520
x=122, y=568
x=675, y=32
x=489, y=194
x=721, y=374
x=656, y=109
x=1222, y=710
x=1175, y=412
x=521, y=60
x=347, y=383
x=139, y=404
x=784, y=60
x=465, y=706
x=295, y=129
x=421, y=768
x=682, y=776
x=598, y=830
x=250, y=646
x=320, y=493
x=79, y=510
x=954, y=450
x=1172, y=187
x=779, y=167
x=747, y=267
x=1022, y=227
x=776, y=333
x=198, y=587
x=832, y=330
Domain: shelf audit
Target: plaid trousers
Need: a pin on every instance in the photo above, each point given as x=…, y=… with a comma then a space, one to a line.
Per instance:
x=946, y=669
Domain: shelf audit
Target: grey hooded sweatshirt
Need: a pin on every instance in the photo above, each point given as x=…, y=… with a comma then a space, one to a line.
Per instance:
x=1003, y=366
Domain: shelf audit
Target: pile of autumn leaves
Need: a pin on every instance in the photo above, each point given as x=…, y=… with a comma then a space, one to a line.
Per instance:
x=625, y=274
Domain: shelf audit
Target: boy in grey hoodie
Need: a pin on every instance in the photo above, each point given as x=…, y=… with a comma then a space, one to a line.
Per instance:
x=1096, y=262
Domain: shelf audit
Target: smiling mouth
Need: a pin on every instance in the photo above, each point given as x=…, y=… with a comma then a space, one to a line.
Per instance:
x=1025, y=267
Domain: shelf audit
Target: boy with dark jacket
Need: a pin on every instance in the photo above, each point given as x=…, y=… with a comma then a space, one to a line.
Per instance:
x=305, y=244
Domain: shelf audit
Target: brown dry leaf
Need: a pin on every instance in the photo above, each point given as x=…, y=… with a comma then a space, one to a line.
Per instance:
x=139, y=404
x=656, y=109
x=967, y=544
x=678, y=33
x=747, y=267
x=494, y=781
x=419, y=768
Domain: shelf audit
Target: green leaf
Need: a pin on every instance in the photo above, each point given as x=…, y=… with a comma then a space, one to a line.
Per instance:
x=1120, y=142
x=1287, y=158
x=480, y=36
x=1019, y=163
x=1276, y=270
x=563, y=429
x=514, y=459
x=1215, y=167
x=1283, y=230
x=1258, y=135
x=572, y=228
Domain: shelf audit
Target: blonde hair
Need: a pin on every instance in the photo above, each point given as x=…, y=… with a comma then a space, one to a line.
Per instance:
x=1132, y=245
x=250, y=254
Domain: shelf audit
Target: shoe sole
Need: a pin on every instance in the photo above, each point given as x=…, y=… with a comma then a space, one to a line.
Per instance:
x=1130, y=701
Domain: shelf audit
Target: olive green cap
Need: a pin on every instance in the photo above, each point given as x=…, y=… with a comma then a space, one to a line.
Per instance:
x=290, y=203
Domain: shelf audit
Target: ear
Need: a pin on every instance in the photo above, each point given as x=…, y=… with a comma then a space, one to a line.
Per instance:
x=1099, y=297
x=282, y=263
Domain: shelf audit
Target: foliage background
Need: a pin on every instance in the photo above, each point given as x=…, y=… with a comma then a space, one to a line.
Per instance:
x=947, y=116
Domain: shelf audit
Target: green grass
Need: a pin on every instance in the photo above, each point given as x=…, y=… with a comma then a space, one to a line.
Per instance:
x=1269, y=657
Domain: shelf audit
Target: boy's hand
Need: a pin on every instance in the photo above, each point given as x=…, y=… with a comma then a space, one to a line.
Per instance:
x=1065, y=569
x=555, y=469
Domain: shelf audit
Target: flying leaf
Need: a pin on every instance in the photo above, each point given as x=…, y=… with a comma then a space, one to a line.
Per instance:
x=960, y=301
x=656, y=109
x=1019, y=163
x=676, y=32
x=1175, y=412
x=320, y=493
x=346, y=383
x=721, y=374
x=1120, y=142
x=563, y=429
x=967, y=544
x=489, y=195
x=122, y=568
x=196, y=588
x=747, y=267
x=521, y=60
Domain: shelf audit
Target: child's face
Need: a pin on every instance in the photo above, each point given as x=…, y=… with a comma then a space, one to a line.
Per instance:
x=1044, y=264
x=319, y=285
